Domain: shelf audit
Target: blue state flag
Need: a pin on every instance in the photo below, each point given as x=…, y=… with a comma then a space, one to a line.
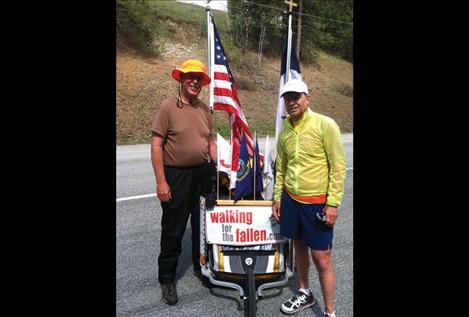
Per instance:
x=245, y=174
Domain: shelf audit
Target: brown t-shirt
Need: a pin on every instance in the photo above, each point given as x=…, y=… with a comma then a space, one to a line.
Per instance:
x=186, y=132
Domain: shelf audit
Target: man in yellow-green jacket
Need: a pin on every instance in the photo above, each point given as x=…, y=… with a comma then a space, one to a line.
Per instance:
x=309, y=186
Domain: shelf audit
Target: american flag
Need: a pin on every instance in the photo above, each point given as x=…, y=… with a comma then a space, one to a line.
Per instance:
x=225, y=98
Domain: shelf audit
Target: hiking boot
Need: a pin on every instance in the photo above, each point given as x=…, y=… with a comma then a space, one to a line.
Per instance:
x=326, y=314
x=297, y=303
x=203, y=279
x=169, y=294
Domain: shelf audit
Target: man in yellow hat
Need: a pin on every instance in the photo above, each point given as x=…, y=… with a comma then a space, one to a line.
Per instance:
x=181, y=150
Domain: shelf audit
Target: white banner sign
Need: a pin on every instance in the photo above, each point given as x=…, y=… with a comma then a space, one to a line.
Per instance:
x=242, y=225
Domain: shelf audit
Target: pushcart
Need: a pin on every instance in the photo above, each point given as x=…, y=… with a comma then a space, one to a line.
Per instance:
x=241, y=248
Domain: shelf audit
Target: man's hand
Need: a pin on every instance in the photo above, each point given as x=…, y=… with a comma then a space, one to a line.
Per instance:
x=163, y=191
x=276, y=210
x=331, y=214
x=162, y=188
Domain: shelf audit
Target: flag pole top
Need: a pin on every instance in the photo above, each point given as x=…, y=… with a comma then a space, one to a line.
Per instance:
x=290, y=4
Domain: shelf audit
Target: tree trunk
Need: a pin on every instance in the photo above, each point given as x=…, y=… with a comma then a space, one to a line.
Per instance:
x=261, y=45
x=229, y=28
x=298, y=33
x=246, y=35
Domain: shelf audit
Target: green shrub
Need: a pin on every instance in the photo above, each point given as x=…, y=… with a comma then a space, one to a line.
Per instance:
x=245, y=83
x=136, y=27
x=309, y=54
x=345, y=89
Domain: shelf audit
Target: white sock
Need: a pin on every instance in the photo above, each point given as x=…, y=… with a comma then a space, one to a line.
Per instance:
x=331, y=314
x=305, y=291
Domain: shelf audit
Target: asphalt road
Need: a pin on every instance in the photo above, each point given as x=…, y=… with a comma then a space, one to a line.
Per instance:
x=138, y=217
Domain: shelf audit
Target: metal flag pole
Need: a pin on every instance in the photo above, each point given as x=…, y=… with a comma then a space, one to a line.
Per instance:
x=210, y=55
x=218, y=170
x=254, y=161
x=287, y=77
x=287, y=71
x=210, y=72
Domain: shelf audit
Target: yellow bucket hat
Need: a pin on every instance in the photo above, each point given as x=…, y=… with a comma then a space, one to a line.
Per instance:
x=191, y=66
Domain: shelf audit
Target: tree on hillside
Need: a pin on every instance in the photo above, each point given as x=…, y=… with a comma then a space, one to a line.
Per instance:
x=241, y=21
x=135, y=27
x=329, y=26
x=252, y=24
x=321, y=25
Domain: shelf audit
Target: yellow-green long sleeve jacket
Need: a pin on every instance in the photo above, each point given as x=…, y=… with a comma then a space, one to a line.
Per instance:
x=311, y=158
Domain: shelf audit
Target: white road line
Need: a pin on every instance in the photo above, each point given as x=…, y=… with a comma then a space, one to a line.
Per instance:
x=135, y=197
x=154, y=195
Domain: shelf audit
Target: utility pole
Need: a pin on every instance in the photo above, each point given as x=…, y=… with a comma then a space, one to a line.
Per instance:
x=298, y=34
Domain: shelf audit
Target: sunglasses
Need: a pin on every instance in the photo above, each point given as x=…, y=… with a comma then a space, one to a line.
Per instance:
x=193, y=76
x=292, y=95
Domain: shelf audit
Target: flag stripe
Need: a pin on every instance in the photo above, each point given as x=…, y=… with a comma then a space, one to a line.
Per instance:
x=220, y=68
x=294, y=65
x=222, y=92
x=222, y=84
x=224, y=107
x=221, y=76
x=225, y=102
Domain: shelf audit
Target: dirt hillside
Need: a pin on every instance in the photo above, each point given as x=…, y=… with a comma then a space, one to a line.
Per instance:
x=142, y=83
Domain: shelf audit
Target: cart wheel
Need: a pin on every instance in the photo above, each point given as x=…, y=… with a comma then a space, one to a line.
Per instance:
x=250, y=302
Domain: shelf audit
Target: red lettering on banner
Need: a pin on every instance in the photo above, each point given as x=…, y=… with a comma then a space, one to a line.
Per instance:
x=231, y=217
x=214, y=217
x=250, y=235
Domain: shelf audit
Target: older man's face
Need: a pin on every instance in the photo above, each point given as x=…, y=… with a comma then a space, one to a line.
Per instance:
x=191, y=84
x=296, y=104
